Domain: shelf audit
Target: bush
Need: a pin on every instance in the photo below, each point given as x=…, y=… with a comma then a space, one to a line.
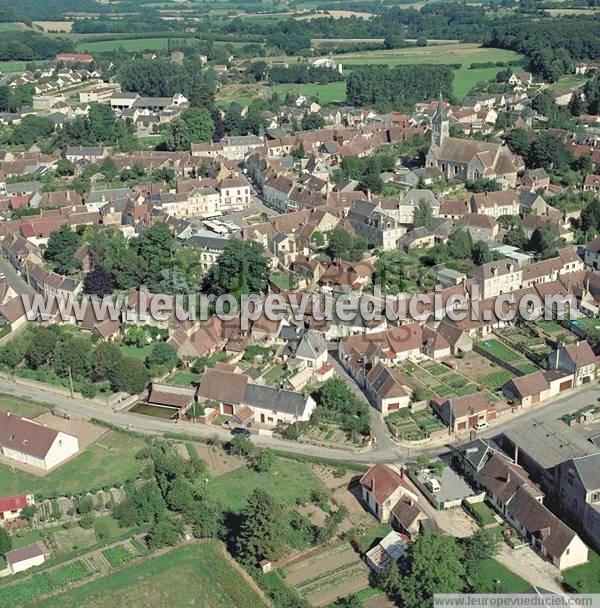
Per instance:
x=87, y=521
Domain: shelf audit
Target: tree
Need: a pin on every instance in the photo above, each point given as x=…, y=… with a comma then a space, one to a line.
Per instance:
x=219, y=130
x=240, y=446
x=5, y=542
x=432, y=564
x=484, y=544
x=481, y=254
x=108, y=168
x=264, y=461
x=199, y=123
x=130, y=376
x=350, y=601
x=576, y=105
x=342, y=244
x=261, y=532
x=41, y=346
x=85, y=505
x=65, y=167
x=518, y=142
x=206, y=520
x=61, y=248
x=180, y=496
x=241, y=268
x=423, y=215
x=167, y=532
x=99, y=282
x=312, y=121
x=544, y=240
x=460, y=243
x=163, y=358
x=106, y=357
x=73, y=356
x=516, y=237
x=5, y=98
x=176, y=135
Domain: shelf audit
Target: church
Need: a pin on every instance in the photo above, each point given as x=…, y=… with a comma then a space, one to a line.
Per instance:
x=464, y=159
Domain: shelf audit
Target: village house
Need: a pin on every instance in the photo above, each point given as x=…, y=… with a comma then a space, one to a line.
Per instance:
x=382, y=487
x=26, y=557
x=516, y=498
x=462, y=413
x=371, y=223
x=577, y=359
x=385, y=389
x=34, y=444
x=11, y=506
x=496, y=204
x=249, y=403
x=577, y=493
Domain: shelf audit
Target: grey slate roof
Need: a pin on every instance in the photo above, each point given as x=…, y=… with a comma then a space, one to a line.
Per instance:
x=274, y=399
x=588, y=468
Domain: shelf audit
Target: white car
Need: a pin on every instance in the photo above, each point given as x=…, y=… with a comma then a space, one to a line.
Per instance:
x=479, y=426
x=2, y=276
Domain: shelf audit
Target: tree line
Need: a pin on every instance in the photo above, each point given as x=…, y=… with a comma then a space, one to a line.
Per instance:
x=401, y=86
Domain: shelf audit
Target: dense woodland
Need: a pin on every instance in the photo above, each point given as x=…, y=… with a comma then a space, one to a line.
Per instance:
x=399, y=86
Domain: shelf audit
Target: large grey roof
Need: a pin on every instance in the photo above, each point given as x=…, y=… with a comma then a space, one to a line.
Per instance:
x=274, y=399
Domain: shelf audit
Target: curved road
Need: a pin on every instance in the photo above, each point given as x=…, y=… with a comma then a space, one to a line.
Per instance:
x=385, y=449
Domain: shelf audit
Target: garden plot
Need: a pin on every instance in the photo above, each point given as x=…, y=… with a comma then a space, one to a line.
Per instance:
x=534, y=344
x=479, y=370
x=322, y=578
x=556, y=331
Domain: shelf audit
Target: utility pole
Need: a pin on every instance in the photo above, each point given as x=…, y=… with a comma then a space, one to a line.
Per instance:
x=71, y=382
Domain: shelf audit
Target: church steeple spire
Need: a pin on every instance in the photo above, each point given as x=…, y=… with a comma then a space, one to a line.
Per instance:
x=440, y=124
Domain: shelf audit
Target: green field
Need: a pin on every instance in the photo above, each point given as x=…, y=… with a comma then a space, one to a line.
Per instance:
x=495, y=380
x=13, y=66
x=134, y=45
x=287, y=481
x=333, y=92
x=109, y=460
x=193, y=575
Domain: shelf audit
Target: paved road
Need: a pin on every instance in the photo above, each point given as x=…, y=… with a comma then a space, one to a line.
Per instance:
x=384, y=451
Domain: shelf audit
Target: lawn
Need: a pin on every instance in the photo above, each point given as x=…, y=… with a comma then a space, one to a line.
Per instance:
x=286, y=482
x=485, y=513
x=284, y=280
x=13, y=66
x=183, y=378
x=550, y=326
x=586, y=574
x=375, y=533
x=110, y=460
x=192, y=575
x=498, y=349
x=135, y=352
x=325, y=94
x=274, y=375
x=22, y=407
x=490, y=570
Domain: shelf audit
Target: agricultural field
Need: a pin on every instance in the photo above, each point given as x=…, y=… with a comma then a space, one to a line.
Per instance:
x=13, y=27
x=465, y=54
x=42, y=583
x=534, y=344
x=326, y=94
x=134, y=45
x=193, y=575
x=324, y=577
x=287, y=482
x=109, y=460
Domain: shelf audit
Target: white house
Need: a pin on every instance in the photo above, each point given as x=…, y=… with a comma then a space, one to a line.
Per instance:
x=24, y=558
x=35, y=444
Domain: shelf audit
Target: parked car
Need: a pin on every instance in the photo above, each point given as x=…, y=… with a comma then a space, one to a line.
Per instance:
x=479, y=426
x=240, y=430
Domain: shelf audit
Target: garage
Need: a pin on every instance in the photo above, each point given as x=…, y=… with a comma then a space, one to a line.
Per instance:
x=393, y=406
x=228, y=409
x=461, y=426
x=473, y=420
x=563, y=386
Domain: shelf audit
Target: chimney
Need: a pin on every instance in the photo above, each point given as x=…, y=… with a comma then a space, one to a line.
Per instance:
x=507, y=476
x=372, y=484
x=516, y=453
